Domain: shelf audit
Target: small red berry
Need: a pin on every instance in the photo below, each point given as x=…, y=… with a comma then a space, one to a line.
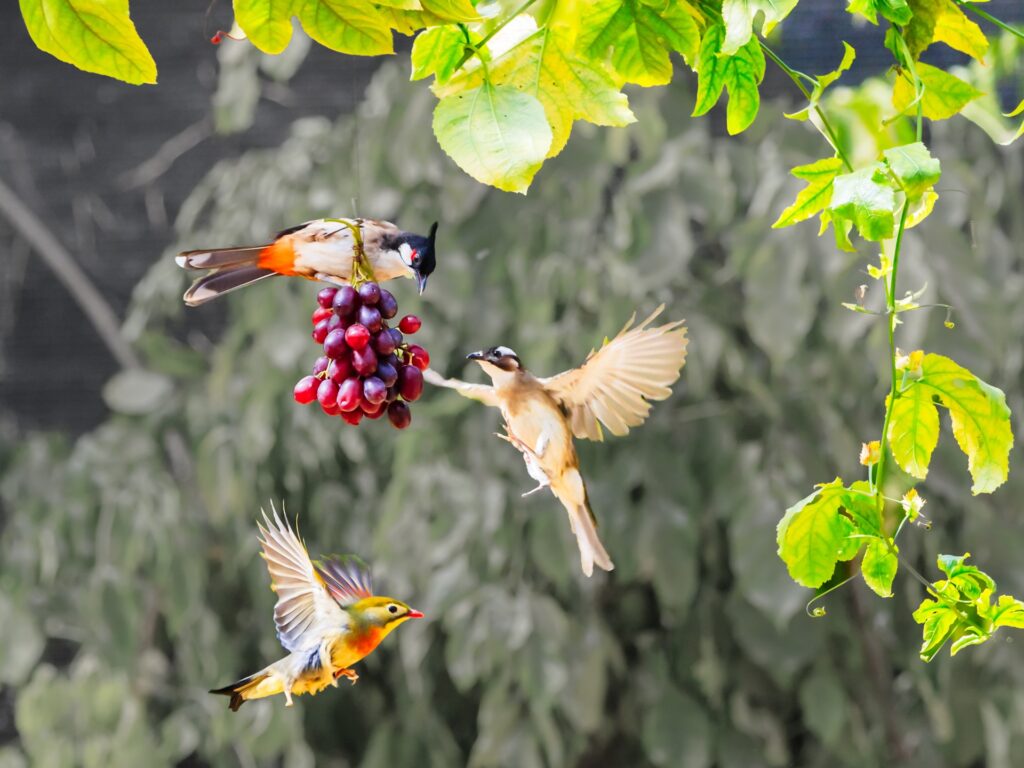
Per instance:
x=409, y=324
x=420, y=356
x=305, y=390
x=322, y=314
x=357, y=336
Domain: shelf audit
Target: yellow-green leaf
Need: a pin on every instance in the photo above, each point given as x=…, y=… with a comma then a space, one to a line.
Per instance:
x=858, y=197
x=944, y=94
x=942, y=21
x=267, y=23
x=347, y=26
x=738, y=16
x=878, y=568
x=497, y=134
x=816, y=196
x=812, y=535
x=896, y=11
x=914, y=430
x=914, y=168
x=739, y=75
x=452, y=10
x=437, y=51
x=406, y=22
x=980, y=418
x=93, y=35
x=824, y=81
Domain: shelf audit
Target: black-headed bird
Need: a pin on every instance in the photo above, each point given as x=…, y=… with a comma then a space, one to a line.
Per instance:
x=614, y=387
x=323, y=249
x=327, y=617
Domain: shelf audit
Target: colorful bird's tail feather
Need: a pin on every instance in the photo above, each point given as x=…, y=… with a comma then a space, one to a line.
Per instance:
x=238, y=689
x=231, y=269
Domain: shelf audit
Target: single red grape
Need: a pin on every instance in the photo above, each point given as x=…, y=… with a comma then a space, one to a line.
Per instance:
x=364, y=361
x=399, y=415
x=410, y=382
x=350, y=394
x=345, y=300
x=320, y=332
x=409, y=324
x=327, y=392
x=374, y=411
x=357, y=336
x=388, y=304
x=339, y=369
x=305, y=390
x=352, y=417
x=420, y=357
x=369, y=294
x=325, y=297
x=334, y=344
x=322, y=314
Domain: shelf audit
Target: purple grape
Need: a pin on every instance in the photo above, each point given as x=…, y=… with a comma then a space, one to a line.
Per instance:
x=370, y=317
x=339, y=369
x=384, y=343
x=345, y=300
x=335, y=322
x=320, y=365
x=350, y=394
x=334, y=344
x=388, y=304
x=327, y=392
x=369, y=293
x=387, y=373
x=320, y=331
x=365, y=361
x=325, y=297
x=392, y=394
x=410, y=382
x=399, y=415
x=374, y=390
x=397, y=336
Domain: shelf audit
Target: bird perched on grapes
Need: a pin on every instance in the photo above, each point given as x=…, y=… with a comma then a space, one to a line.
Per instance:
x=327, y=617
x=614, y=387
x=323, y=249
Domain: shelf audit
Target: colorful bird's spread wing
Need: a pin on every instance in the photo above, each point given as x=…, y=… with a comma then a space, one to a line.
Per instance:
x=305, y=610
x=482, y=392
x=617, y=383
x=346, y=577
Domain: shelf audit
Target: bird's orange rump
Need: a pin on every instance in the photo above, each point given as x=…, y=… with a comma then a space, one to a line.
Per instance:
x=278, y=257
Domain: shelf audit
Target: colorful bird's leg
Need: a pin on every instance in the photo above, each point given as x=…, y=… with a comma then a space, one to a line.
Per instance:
x=349, y=673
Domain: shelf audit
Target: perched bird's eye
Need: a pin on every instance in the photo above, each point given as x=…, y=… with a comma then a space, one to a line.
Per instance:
x=416, y=258
x=392, y=609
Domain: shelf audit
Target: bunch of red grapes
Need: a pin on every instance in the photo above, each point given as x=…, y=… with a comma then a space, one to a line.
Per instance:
x=367, y=369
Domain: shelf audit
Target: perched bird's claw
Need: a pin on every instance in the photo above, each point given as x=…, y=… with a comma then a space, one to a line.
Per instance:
x=351, y=674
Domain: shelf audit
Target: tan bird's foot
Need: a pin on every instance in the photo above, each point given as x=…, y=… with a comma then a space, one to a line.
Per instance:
x=349, y=673
x=532, y=491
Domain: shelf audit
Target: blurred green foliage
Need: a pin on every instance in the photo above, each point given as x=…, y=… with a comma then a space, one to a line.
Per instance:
x=130, y=576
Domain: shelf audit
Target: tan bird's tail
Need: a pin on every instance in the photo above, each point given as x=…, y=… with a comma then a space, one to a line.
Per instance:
x=238, y=690
x=584, y=525
x=231, y=269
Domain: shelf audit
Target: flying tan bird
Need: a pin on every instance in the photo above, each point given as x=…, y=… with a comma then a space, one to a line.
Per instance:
x=614, y=387
x=327, y=617
x=317, y=250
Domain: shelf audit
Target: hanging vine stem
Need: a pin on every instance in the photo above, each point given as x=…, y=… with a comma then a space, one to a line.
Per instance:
x=362, y=270
x=472, y=49
x=973, y=8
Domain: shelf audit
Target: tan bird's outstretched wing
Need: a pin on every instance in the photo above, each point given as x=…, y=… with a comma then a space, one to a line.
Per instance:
x=305, y=610
x=481, y=392
x=618, y=382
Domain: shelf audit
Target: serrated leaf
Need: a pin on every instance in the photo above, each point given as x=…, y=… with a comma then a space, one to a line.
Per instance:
x=738, y=16
x=896, y=11
x=914, y=430
x=437, y=51
x=640, y=36
x=939, y=620
x=94, y=35
x=878, y=568
x=969, y=580
x=1008, y=612
x=980, y=418
x=739, y=75
x=497, y=134
x=864, y=508
x=868, y=204
x=824, y=81
x=347, y=26
x=944, y=94
x=914, y=168
x=812, y=535
x=816, y=196
x=267, y=23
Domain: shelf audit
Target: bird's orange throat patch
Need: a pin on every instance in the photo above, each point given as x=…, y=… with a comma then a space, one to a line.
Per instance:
x=363, y=642
x=278, y=257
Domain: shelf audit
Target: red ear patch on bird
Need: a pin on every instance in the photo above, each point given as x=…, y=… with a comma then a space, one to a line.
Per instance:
x=347, y=578
x=278, y=257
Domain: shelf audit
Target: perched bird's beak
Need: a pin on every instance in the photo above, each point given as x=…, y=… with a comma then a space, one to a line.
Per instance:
x=421, y=282
x=476, y=356
x=414, y=614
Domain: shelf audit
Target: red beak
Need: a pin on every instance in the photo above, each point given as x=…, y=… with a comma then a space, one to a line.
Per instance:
x=414, y=614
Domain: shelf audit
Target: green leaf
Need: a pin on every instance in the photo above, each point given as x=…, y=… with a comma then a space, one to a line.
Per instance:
x=879, y=567
x=942, y=21
x=864, y=508
x=640, y=36
x=1009, y=612
x=859, y=198
x=944, y=94
x=939, y=620
x=980, y=418
x=347, y=26
x=914, y=430
x=267, y=23
x=452, y=10
x=497, y=134
x=93, y=35
x=896, y=11
x=816, y=196
x=914, y=167
x=812, y=535
x=407, y=22
x=738, y=16
x=824, y=81
x=969, y=580
x=739, y=75
x=437, y=51
x=569, y=85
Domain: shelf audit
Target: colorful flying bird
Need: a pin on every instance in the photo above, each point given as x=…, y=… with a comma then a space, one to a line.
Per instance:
x=326, y=615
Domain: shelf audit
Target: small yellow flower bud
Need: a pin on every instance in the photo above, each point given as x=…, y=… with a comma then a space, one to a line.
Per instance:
x=870, y=453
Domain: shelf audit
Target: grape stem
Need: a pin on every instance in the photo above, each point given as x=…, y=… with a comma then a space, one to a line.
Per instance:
x=362, y=271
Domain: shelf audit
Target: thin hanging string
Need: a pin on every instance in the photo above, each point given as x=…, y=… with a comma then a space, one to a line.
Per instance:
x=356, y=153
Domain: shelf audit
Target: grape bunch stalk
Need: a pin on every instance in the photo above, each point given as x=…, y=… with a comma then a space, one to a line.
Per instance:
x=367, y=368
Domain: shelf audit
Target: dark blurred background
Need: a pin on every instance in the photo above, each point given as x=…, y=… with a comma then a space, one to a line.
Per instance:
x=129, y=577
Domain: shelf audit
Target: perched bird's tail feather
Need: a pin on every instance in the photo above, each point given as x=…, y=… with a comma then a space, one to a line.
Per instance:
x=237, y=690
x=592, y=551
x=232, y=268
